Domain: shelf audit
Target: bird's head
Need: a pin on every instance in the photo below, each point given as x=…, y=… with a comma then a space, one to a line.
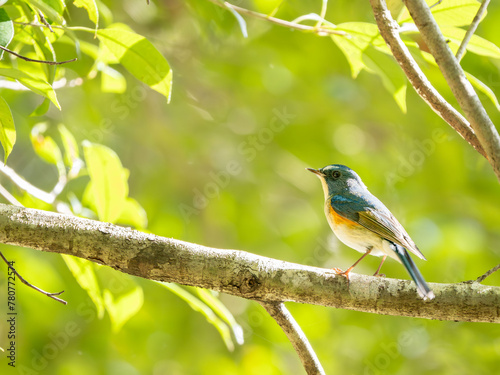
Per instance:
x=337, y=178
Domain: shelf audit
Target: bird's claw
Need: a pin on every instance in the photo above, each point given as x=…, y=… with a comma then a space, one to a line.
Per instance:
x=339, y=272
x=379, y=274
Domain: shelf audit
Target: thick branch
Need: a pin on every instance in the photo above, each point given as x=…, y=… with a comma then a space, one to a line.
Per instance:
x=455, y=77
x=389, y=30
x=296, y=336
x=240, y=273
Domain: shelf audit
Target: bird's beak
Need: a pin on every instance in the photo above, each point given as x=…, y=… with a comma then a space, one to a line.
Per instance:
x=316, y=171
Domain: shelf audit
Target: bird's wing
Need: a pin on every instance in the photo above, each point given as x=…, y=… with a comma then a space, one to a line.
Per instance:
x=386, y=225
x=373, y=215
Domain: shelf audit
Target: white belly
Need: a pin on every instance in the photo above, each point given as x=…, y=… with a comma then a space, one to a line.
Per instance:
x=362, y=239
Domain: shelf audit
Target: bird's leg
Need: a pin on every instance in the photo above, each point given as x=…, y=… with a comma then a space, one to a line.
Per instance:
x=379, y=267
x=347, y=271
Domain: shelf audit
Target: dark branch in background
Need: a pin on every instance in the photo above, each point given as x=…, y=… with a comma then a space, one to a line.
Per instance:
x=388, y=28
x=481, y=278
x=296, y=336
x=472, y=29
x=457, y=81
x=240, y=273
x=51, y=295
x=37, y=61
x=44, y=21
x=278, y=21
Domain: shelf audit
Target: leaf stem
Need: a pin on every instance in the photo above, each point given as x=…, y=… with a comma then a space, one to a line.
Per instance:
x=73, y=28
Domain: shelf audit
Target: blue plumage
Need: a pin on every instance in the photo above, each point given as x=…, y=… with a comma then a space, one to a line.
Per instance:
x=364, y=223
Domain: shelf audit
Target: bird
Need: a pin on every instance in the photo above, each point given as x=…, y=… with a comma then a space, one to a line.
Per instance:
x=361, y=221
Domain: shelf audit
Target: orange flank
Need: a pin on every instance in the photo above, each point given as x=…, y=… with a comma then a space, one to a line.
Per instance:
x=340, y=220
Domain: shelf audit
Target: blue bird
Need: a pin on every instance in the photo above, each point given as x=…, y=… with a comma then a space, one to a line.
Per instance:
x=364, y=223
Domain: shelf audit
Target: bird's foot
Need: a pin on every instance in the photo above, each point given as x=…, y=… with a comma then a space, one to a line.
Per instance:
x=339, y=272
x=379, y=274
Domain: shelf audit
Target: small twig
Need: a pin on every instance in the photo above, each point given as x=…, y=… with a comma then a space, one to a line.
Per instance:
x=472, y=29
x=9, y=197
x=295, y=335
x=435, y=4
x=480, y=279
x=26, y=186
x=44, y=21
x=389, y=29
x=292, y=25
x=37, y=61
x=51, y=295
x=59, y=84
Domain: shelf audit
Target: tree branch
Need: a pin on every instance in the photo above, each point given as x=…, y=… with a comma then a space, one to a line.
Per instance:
x=388, y=28
x=292, y=25
x=472, y=29
x=481, y=278
x=240, y=273
x=29, y=188
x=458, y=83
x=34, y=60
x=25, y=282
x=296, y=336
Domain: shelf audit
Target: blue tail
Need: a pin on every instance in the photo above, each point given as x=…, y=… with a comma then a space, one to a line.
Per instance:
x=423, y=289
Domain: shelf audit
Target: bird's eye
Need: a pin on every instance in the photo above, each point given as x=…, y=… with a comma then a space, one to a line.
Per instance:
x=336, y=174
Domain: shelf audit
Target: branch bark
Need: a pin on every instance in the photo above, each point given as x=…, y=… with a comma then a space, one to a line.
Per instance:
x=296, y=336
x=455, y=77
x=240, y=273
x=388, y=28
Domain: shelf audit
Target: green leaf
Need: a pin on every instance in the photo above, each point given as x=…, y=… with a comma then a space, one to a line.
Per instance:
x=197, y=305
x=91, y=8
x=70, y=146
x=34, y=83
x=7, y=129
x=396, y=7
x=133, y=214
x=450, y=12
x=45, y=146
x=477, y=45
x=479, y=85
x=112, y=80
x=269, y=7
x=360, y=36
x=84, y=273
x=41, y=109
x=365, y=50
x=221, y=310
x=139, y=57
x=52, y=9
x=120, y=310
x=393, y=78
x=6, y=30
x=108, y=187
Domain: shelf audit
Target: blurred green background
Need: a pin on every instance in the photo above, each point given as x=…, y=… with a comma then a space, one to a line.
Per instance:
x=274, y=103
